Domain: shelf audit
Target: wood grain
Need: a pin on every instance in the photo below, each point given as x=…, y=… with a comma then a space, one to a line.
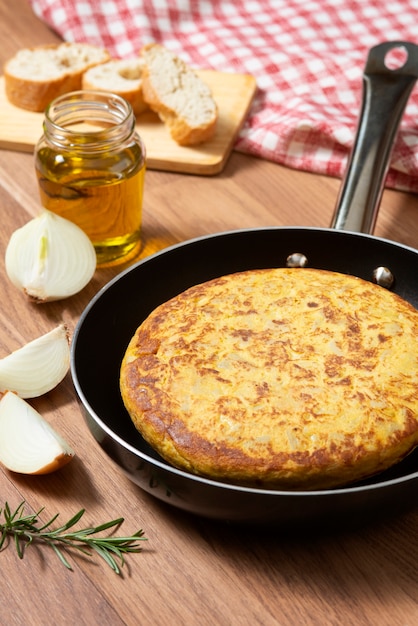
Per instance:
x=192, y=571
x=233, y=93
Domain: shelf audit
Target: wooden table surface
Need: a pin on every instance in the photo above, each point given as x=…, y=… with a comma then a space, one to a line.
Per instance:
x=191, y=571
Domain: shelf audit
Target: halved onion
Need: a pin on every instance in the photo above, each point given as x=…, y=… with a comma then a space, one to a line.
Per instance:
x=50, y=258
x=28, y=444
x=38, y=366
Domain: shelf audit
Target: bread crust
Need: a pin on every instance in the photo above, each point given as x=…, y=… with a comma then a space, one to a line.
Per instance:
x=285, y=378
x=181, y=129
x=29, y=89
x=122, y=77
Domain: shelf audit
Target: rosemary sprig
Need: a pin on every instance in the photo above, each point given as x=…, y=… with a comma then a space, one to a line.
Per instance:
x=25, y=529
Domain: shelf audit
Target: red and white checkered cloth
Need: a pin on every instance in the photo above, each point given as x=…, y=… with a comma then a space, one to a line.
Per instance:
x=308, y=57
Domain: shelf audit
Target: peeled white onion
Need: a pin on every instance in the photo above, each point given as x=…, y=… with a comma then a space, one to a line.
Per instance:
x=28, y=444
x=38, y=366
x=50, y=258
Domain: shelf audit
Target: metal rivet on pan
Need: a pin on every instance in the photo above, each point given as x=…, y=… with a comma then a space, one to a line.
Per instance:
x=297, y=259
x=383, y=276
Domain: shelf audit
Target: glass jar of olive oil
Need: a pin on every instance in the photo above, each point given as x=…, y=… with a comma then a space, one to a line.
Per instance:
x=90, y=165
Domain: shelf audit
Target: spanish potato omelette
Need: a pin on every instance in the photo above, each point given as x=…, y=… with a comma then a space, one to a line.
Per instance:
x=288, y=378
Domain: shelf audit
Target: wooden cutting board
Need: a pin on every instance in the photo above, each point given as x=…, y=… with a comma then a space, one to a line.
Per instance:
x=233, y=93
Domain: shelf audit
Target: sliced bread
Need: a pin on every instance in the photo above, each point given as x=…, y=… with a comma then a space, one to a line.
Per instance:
x=35, y=76
x=183, y=101
x=120, y=76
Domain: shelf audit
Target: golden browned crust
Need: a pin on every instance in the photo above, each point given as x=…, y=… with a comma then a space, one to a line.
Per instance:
x=291, y=378
x=36, y=95
x=30, y=87
x=168, y=90
x=120, y=76
x=180, y=131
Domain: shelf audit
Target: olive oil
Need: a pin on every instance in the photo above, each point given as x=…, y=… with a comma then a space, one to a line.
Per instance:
x=94, y=175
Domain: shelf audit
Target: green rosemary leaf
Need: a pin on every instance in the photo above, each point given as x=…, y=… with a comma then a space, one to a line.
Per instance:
x=18, y=547
x=113, y=523
x=48, y=524
x=61, y=556
x=26, y=529
x=71, y=522
x=107, y=557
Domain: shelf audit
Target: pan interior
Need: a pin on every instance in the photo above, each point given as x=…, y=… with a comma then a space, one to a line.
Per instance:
x=112, y=317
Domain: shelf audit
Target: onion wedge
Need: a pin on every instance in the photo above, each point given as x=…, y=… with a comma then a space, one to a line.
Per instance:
x=38, y=366
x=50, y=258
x=28, y=444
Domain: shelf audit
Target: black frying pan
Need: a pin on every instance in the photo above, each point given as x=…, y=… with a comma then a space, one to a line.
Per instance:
x=112, y=317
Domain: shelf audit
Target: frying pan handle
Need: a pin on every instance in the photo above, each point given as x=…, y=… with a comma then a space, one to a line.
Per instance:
x=385, y=95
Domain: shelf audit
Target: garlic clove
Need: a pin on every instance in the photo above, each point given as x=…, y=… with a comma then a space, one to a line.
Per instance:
x=28, y=444
x=38, y=366
x=50, y=258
